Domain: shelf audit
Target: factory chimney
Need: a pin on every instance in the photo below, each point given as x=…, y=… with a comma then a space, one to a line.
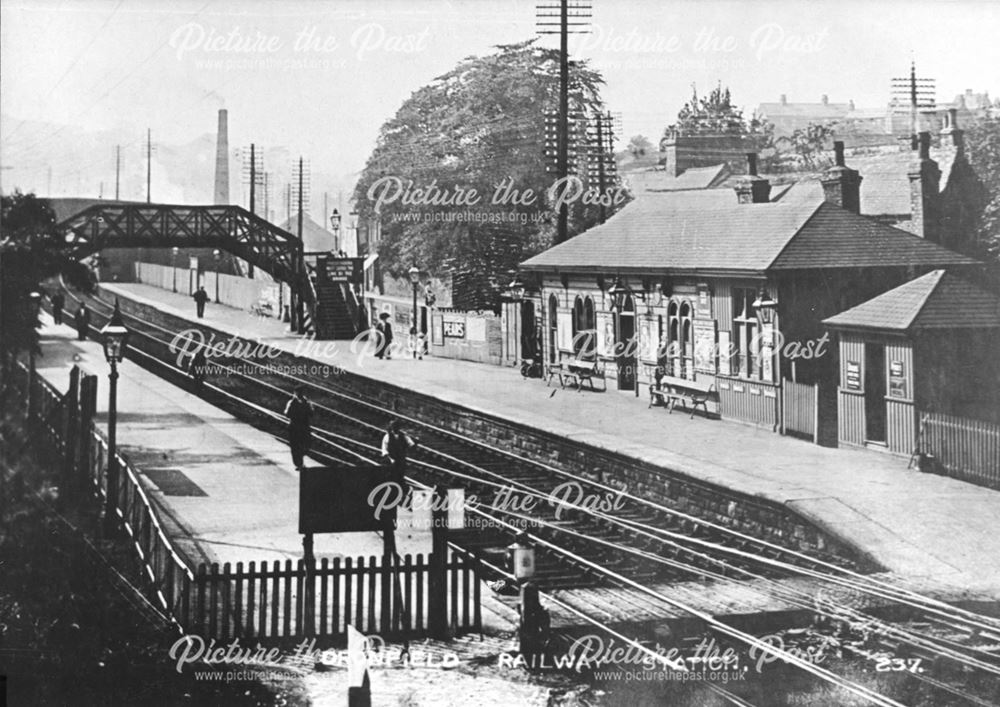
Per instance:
x=222, y=160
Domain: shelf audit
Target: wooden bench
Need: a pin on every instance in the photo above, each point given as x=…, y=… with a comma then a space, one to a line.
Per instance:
x=688, y=393
x=577, y=372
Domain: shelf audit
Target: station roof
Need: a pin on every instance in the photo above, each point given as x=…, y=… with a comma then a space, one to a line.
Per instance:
x=938, y=300
x=710, y=231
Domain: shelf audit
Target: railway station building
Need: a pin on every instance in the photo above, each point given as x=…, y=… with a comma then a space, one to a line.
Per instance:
x=727, y=291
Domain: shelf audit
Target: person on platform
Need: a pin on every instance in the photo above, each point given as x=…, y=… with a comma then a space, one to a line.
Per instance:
x=396, y=444
x=58, y=302
x=383, y=334
x=200, y=298
x=299, y=414
x=82, y=319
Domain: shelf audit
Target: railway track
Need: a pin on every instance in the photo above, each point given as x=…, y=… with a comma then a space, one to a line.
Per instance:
x=637, y=547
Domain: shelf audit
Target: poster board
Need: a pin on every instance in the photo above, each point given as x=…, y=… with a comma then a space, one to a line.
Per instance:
x=704, y=346
x=648, y=340
x=852, y=379
x=454, y=326
x=564, y=324
x=475, y=329
x=725, y=353
x=767, y=353
x=437, y=330
x=605, y=334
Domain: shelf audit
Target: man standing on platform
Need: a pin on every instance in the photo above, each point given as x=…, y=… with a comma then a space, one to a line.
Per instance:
x=395, y=446
x=383, y=336
x=299, y=414
x=200, y=298
x=58, y=302
x=82, y=319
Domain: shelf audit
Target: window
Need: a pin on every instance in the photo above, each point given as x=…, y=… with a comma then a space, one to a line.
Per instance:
x=746, y=341
x=686, y=344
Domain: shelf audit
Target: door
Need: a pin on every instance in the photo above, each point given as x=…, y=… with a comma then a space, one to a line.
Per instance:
x=875, y=413
x=626, y=347
x=553, y=328
x=529, y=344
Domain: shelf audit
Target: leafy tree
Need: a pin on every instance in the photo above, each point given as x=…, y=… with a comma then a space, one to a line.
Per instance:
x=715, y=114
x=982, y=142
x=810, y=143
x=639, y=146
x=29, y=253
x=479, y=126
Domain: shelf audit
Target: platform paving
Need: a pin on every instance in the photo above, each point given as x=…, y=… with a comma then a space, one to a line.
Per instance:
x=934, y=532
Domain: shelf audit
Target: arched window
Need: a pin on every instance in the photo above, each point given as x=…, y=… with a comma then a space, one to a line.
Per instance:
x=673, y=353
x=589, y=331
x=686, y=345
x=579, y=325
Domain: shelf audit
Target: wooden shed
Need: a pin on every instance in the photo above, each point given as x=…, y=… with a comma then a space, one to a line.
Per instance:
x=929, y=345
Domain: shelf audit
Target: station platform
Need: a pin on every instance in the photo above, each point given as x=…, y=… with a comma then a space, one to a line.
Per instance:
x=229, y=489
x=933, y=533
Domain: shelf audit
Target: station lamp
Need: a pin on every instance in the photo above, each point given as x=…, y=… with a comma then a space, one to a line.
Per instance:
x=765, y=306
x=521, y=557
x=335, y=221
x=516, y=289
x=114, y=339
x=617, y=293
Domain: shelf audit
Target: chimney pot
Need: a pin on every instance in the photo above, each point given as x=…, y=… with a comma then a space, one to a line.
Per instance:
x=752, y=164
x=838, y=152
x=925, y=145
x=826, y=99
x=784, y=99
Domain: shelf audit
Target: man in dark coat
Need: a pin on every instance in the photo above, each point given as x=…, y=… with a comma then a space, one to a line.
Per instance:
x=396, y=444
x=82, y=320
x=383, y=329
x=58, y=302
x=200, y=298
x=299, y=414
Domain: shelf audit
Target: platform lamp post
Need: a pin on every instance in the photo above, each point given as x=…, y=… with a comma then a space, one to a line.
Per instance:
x=217, y=257
x=766, y=309
x=516, y=291
x=34, y=306
x=415, y=281
x=174, y=252
x=114, y=339
x=335, y=227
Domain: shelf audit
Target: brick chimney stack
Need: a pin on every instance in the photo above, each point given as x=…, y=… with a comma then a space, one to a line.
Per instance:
x=951, y=132
x=753, y=189
x=841, y=184
x=222, y=160
x=924, y=190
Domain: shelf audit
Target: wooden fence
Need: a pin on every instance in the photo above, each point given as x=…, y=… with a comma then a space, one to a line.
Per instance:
x=276, y=600
x=291, y=600
x=961, y=447
x=799, y=409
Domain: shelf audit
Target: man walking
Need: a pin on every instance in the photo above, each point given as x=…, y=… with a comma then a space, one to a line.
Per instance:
x=383, y=337
x=82, y=320
x=396, y=444
x=58, y=302
x=200, y=298
x=299, y=414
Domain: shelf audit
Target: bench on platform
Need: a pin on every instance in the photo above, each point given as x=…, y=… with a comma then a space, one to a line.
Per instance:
x=691, y=394
x=577, y=371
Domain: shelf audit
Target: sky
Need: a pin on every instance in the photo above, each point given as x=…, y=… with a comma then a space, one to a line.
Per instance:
x=319, y=77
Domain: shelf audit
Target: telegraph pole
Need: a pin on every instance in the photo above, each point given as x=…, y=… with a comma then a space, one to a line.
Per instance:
x=118, y=169
x=149, y=164
x=253, y=176
x=580, y=10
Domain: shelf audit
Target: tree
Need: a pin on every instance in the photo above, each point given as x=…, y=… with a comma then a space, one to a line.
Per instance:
x=982, y=141
x=30, y=252
x=639, y=146
x=484, y=126
x=716, y=115
x=810, y=143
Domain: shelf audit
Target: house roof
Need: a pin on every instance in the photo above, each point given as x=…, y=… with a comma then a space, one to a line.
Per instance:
x=67, y=207
x=885, y=181
x=709, y=230
x=938, y=300
x=804, y=110
x=315, y=238
x=692, y=178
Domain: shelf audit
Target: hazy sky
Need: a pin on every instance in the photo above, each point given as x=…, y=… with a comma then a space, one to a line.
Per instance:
x=321, y=77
